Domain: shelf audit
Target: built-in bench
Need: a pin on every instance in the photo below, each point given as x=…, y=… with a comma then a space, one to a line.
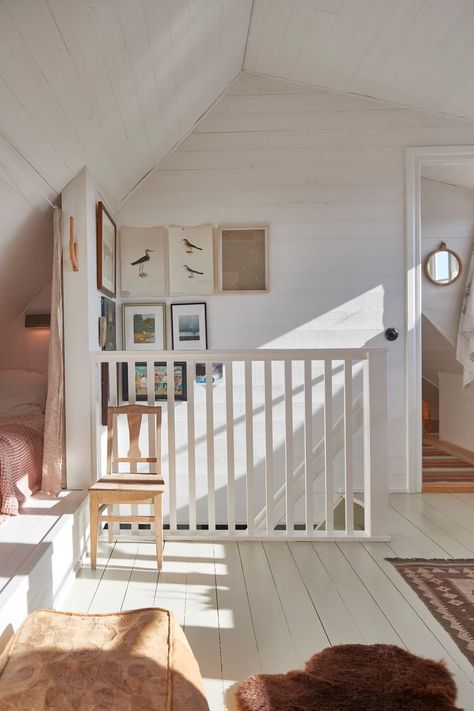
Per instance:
x=40, y=550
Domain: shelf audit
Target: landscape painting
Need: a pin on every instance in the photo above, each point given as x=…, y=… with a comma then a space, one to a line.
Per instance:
x=144, y=327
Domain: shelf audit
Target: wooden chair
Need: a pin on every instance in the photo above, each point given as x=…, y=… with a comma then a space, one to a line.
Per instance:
x=128, y=487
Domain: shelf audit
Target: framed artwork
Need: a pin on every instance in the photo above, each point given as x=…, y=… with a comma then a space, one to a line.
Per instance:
x=217, y=373
x=106, y=251
x=161, y=381
x=191, y=260
x=144, y=327
x=107, y=311
x=188, y=327
x=243, y=259
x=143, y=261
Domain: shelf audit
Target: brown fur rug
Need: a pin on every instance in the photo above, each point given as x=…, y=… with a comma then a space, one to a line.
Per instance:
x=354, y=677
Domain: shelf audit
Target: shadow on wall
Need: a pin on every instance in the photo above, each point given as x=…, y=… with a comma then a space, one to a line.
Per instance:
x=25, y=264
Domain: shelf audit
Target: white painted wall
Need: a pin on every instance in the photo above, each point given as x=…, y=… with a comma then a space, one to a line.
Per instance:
x=81, y=313
x=456, y=411
x=326, y=171
x=27, y=348
x=447, y=215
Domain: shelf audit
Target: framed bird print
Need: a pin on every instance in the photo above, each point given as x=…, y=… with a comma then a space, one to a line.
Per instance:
x=191, y=260
x=243, y=260
x=106, y=250
x=144, y=327
x=143, y=261
x=189, y=327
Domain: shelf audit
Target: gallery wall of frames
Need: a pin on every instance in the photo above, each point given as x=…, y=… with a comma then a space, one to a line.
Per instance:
x=135, y=265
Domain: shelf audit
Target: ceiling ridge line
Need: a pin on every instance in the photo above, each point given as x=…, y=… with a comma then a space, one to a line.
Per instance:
x=180, y=141
x=248, y=36
x=17, y=151
x=343, y=92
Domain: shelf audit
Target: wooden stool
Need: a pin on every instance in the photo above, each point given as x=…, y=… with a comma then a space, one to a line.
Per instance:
x=128, y=487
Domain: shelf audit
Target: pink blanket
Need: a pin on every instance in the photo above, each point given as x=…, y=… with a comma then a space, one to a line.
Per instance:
x=21, y=456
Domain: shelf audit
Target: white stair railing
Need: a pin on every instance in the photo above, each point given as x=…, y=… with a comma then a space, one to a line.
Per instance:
x=268, y=408
x=318, y=464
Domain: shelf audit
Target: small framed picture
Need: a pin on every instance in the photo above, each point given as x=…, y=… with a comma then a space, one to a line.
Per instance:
x=243, y=259
x=191, y=260
x=106, y=251
x=161, y=381
x=189, y=327
x=217, y=373
x=143, y=260
x=107, y=311
x=144, y=327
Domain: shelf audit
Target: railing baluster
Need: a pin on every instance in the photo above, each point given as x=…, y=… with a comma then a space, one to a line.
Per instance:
x=328, y=451
x=132, y=398
x=171, y=444
x=250, y=495
x=229, y=410
x=289, y=466
x=348, y=435
x=191, y=374
x=375, y=444
x=308, y=445
x=211, y=491
x=269, y=446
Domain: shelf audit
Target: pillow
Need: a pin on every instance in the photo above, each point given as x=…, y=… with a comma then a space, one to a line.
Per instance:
x=22, y=391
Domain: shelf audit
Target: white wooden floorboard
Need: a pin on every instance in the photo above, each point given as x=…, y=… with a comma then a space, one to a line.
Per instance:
x=266, y=607
x=376, y=627
x=306, y=629
x=338, y=623
x=425, y=523
x=275, y=645
x=201, y=620
x=239, y=652
x=110, y=594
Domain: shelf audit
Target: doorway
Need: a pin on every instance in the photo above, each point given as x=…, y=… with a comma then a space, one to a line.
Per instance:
x=438, y=181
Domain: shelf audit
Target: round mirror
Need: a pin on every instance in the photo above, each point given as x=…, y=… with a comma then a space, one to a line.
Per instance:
x=443, y=266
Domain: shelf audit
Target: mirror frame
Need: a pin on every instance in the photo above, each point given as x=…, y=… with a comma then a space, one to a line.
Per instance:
x=442, y=248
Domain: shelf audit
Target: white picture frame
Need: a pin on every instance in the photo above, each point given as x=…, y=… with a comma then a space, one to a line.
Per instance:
x=243, y=259
x=189, y=327
x=143, y=261
x=144, y=327
x=191, y=260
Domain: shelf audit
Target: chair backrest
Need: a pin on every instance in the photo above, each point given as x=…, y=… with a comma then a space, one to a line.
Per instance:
x=134, y=414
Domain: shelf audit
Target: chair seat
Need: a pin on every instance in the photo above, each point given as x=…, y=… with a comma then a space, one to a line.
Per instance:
x=152, y=485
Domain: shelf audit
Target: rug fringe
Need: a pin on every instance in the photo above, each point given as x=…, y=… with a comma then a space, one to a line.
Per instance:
x=430, y=560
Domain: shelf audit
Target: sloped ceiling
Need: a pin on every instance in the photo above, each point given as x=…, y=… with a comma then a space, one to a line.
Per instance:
x=460, y=174
x=116, y=84
x=418, y=53
x=111, y=84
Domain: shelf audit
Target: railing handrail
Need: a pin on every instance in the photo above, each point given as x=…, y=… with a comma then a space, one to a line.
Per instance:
x=257, y=354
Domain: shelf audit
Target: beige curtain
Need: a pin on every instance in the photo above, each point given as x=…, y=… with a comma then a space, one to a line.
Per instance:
x=53, y=455
x=465, y=341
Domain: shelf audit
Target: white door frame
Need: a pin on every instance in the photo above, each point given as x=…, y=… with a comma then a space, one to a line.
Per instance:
x=414, y=159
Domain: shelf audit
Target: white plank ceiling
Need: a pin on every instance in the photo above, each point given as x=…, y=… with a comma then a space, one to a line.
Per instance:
x=112, y=84
x=414, y=52
x=116, y=84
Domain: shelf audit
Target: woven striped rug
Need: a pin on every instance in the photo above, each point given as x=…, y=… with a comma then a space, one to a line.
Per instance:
x=439, y=466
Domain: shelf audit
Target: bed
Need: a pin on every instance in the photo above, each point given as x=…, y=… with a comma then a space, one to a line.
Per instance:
x=22, y=400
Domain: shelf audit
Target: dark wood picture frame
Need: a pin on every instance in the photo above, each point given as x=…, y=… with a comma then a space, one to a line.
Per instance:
x=102, y=215
x=181, y=397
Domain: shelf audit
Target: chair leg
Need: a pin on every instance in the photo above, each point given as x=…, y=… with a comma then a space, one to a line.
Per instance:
x=159, y=531
x=111, y=524
x=94, y=512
